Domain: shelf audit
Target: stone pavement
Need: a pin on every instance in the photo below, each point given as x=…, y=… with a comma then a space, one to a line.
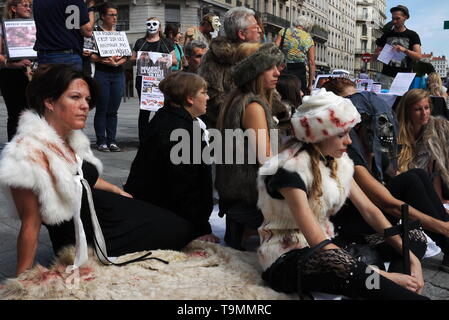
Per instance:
x=116, y=167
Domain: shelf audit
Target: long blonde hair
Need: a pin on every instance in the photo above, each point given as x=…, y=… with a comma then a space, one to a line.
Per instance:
x=316, y=156
x=406, y=136
x=435, y=84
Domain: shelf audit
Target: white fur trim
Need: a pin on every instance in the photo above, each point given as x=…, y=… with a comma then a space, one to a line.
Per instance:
x=323, y=115
x=20, y=168
x=279, y=233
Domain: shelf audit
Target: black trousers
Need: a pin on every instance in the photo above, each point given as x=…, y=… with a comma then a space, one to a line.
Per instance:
x=144, y=115
x=13, y=83
x=336, y=272
x=415, y=188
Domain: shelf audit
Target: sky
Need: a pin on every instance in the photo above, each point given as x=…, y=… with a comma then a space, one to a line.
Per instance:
x=427, y=18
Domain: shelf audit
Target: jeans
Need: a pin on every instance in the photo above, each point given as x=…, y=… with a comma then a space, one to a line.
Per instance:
x=67, y=58
x=111, y=85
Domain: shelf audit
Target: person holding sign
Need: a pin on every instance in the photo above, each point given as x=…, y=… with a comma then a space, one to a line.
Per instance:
x=111, y=80
x=13, y=77
x=152, y=42
x=403, y=40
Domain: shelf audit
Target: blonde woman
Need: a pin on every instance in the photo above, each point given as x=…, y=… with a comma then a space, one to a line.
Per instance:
x=423, y=139
x=435, y=86
x=299, y=190
x=13, y=77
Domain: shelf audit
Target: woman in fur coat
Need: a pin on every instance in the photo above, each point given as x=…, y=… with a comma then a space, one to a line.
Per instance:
x=47, y=172
x=246, y=112
x=299, y=189
x=423, y=140
x=370, y=140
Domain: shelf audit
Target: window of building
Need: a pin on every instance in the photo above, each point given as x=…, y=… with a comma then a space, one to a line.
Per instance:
x=172, y=14
x=123, y=18
x=274, y=7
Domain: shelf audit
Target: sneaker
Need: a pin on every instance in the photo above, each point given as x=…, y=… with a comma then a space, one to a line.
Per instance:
x=114, y=148
x=103, y=148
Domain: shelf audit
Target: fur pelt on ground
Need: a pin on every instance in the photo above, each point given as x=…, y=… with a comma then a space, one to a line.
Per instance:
x=201, y=271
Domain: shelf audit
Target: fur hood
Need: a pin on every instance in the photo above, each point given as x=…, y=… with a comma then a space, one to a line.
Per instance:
x=222, y=50
x=37, y=159
x=435, y=137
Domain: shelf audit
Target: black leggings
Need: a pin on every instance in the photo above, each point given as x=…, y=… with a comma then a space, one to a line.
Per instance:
x=13, y=83
x=415, y=188
x=336, y=272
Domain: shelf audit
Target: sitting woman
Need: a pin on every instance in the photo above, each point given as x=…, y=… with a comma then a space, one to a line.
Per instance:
x=246, y=111
x=180, y=183
x=299, y=190
x=423, y=140
x=373, y=138
x=48, y=169
x=289, y=89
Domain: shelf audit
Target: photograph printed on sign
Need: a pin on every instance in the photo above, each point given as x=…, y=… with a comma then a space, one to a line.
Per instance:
x=20, y=36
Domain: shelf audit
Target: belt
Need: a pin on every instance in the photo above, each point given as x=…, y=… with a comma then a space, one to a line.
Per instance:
x=69, y=51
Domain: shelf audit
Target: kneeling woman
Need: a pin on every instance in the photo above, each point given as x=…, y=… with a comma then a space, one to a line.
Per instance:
x=46, y=167
x=299, y=189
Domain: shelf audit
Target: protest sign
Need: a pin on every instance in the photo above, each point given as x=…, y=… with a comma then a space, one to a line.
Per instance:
x=90, y=45
x=20, y=36
x=112, y=43
x=153, y=67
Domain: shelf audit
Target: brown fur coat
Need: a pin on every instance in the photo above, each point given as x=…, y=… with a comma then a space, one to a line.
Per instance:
x=436, y=140
x=216, y=70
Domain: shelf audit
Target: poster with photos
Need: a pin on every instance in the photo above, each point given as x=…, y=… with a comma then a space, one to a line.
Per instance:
x=20, y=37
x=153, y=67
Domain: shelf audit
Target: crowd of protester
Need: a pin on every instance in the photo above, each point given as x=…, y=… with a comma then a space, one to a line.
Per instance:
x=345, y=165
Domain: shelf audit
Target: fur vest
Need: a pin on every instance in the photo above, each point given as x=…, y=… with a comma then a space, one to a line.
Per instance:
x=216, y=70
x=37, y=159
x=279, y=232
x=237, y=182
x=436, y=140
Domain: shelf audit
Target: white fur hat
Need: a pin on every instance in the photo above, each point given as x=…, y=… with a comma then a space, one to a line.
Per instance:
x=323, y=115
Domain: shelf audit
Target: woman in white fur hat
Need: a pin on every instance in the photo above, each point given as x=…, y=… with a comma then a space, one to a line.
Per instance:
x=299, y=189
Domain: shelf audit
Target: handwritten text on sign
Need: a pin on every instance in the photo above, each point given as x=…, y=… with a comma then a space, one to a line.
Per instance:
x=112, y=43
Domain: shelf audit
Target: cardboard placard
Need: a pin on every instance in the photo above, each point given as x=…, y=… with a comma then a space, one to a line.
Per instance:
x=112, y=43
x=153, y=67
x=20, y=37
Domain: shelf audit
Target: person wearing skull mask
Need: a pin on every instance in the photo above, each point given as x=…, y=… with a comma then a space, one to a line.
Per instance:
x=210, y=24
x=413, y=187
x=152, y=42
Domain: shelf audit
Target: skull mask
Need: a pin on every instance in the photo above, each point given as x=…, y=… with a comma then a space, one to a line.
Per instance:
x=215, y=22
x=152, y=26
x=385, y=132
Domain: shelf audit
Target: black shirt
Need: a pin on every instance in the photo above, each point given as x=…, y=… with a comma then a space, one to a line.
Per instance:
x=407, y=39
x=162, y=46
x=52, y=20
x=283, y=179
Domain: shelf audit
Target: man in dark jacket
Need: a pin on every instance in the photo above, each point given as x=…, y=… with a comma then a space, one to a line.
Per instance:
x=240, y=26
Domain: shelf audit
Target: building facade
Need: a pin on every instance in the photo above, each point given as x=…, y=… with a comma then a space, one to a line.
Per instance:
x=370, y=19
x=440, y=64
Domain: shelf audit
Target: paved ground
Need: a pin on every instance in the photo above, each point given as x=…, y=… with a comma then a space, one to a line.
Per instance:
x=116, y=166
